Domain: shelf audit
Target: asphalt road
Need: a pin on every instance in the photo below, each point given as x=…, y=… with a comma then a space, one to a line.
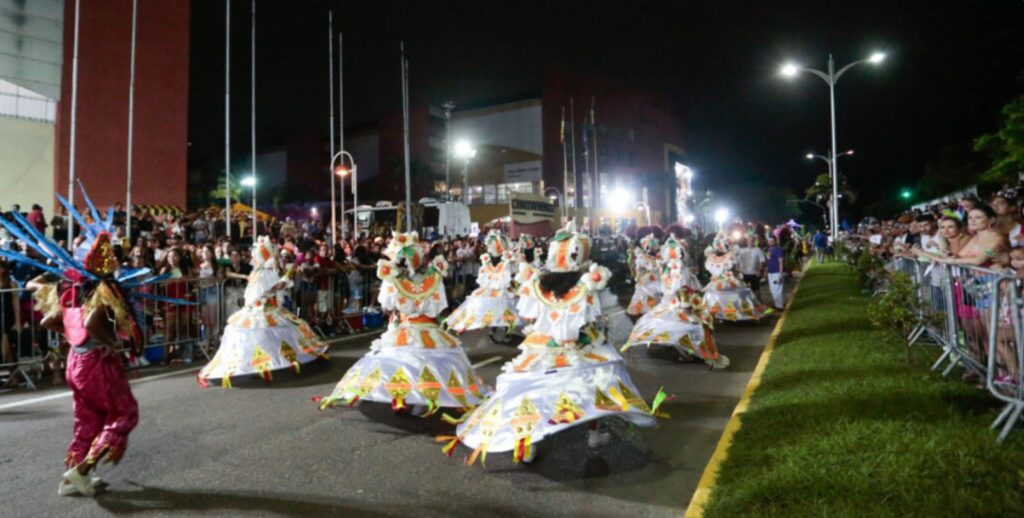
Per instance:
x=268, y=450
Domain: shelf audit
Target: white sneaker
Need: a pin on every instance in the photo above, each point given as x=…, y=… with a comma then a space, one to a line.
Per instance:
x=142, y=361
x=598, y=439
x=80, y=482
x=66, y=489
x=418, y=410
x=720, y=363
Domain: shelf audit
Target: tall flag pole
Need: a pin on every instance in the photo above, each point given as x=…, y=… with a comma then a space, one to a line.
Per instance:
x=227, y=119
x=588, y=192
x=74, y=114
x=330, y=84
x=565, y=171
x=577, y=196
x=405, y=111
x=255, y=223
x=596, y=189
x=341, y=138
x=131, y=125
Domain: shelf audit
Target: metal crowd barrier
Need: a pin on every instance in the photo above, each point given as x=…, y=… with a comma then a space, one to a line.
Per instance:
x=187, y=331
x=976, y=315
x=25, y=345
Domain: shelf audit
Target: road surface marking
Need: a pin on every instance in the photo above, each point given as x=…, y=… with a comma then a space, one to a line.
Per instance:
x=487, y=362
x=67, y=393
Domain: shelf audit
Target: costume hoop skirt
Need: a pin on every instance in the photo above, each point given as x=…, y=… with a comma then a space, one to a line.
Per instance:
x=415, y=362
x=262, y=337
x=528, y=406
x=564, y=376
x=493, y=304
x=725, y=296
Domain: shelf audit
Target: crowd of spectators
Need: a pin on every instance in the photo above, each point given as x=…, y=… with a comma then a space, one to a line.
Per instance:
x=333, y=281
x=969, y=231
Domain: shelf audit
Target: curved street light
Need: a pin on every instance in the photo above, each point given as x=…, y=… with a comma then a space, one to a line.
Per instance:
x=343, y=171
x=830, y=78
x=561, y=201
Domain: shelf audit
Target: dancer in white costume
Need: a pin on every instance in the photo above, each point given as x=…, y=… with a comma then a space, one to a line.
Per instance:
x=644, y=267
x=566, y=374
x=263, y=337
x=415, y=365
x=527, y=253
x=680, y=320
x=725, y=296
x=493, y=304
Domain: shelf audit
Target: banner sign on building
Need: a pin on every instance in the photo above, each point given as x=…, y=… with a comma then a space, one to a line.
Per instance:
x=529, y=208
x=523, y=172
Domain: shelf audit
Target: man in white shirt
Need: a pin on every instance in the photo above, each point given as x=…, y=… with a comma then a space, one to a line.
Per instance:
x=928, y=231
x=750, y=261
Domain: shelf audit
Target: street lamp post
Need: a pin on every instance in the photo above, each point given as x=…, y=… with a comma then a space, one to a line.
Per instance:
x=791, y=70
x=465, y=151
x=833, y=171
x=342, y=171
x=561, y=201
x=647, y=211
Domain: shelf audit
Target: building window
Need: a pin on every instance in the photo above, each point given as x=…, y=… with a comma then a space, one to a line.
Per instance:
x=490, y=194
x=476, y=194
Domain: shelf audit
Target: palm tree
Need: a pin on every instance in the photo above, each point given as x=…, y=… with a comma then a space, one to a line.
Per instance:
x=822, y=188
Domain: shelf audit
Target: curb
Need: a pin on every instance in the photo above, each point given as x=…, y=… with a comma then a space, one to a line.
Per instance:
x=707, y=481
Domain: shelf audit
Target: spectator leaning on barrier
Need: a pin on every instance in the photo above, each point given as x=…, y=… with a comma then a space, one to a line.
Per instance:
x=1007, y=218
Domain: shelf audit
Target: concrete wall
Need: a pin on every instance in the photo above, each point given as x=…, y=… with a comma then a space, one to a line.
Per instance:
x=26, y=164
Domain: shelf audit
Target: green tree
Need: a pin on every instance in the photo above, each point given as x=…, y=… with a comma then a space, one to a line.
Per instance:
x=822, y=187
x=1005, y=147
x=217, y=195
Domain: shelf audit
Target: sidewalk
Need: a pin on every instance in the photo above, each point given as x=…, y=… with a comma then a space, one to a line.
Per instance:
x=842, y=425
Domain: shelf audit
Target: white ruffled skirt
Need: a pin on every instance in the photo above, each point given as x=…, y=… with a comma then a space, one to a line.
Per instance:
x=485, y=308
x=412, y=364
x=262, y=341
x=534, y=399
x=645, y=298
x=734, y=304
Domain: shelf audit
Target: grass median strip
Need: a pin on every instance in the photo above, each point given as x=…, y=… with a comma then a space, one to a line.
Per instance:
x=843, y=426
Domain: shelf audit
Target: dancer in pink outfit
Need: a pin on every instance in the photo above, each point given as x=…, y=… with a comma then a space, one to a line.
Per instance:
x=88, y=298
x=105, y=410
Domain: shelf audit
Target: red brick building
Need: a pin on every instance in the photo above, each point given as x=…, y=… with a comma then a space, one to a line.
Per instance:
x=161, y=101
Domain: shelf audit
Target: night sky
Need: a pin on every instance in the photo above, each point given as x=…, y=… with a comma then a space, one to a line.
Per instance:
x=951, y=66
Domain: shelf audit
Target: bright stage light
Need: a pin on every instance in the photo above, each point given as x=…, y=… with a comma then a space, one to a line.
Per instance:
x=249, y=181
x=721, y=215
